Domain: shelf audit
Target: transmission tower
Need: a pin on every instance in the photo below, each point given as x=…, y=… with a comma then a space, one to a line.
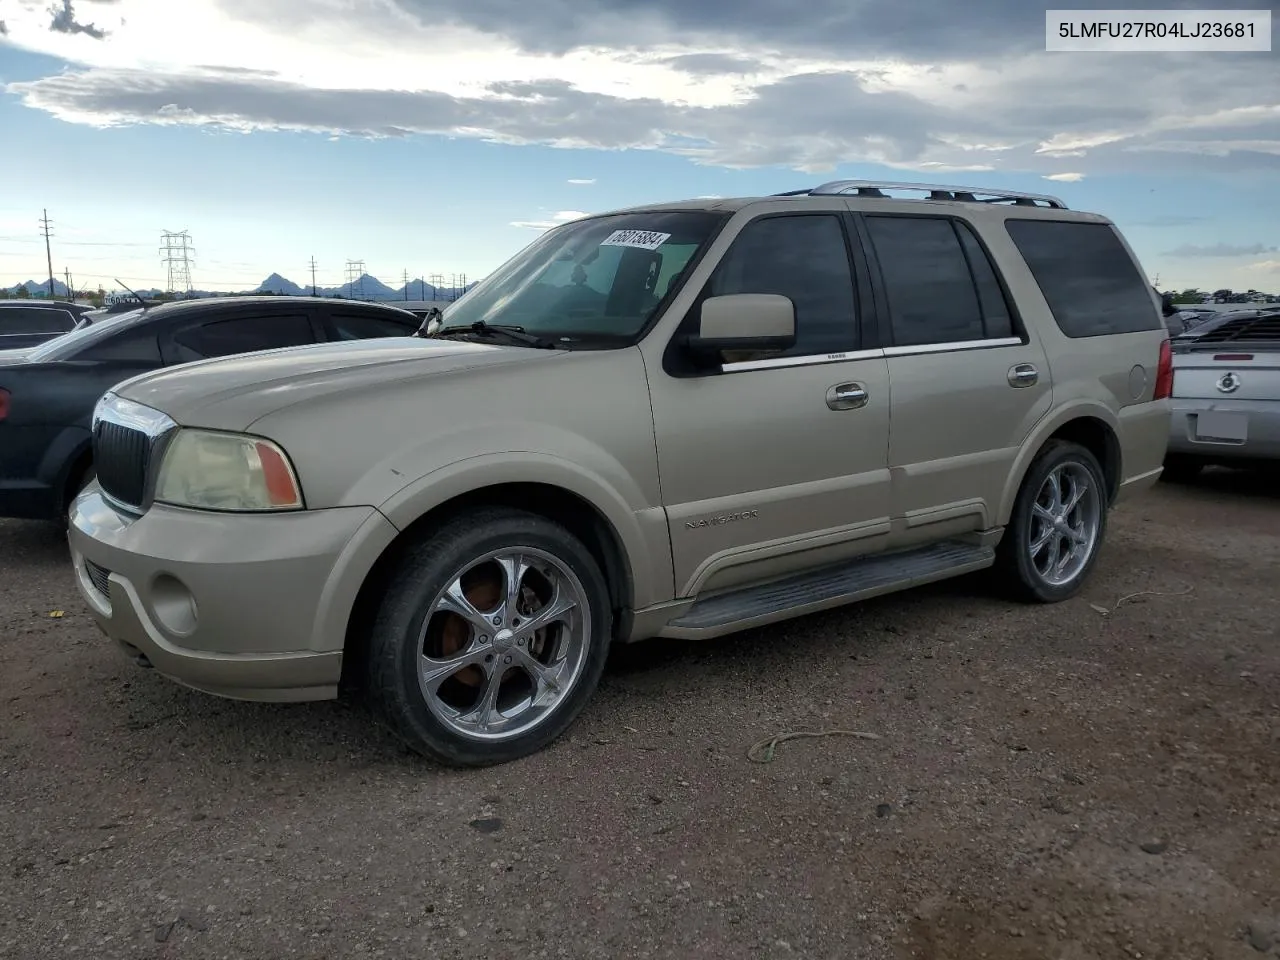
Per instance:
x=176, y=253
x=313, y=276
x=355, y=278
x=437, y=281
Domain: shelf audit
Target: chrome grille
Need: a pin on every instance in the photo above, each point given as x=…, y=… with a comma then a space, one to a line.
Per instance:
x=121, y=458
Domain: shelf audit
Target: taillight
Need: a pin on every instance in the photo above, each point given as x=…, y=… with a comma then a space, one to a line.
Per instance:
x=1164, y=372
x=4, y=403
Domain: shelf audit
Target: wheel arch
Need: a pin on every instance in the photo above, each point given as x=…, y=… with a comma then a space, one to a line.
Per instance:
x=1093, y=426
x=584, y=518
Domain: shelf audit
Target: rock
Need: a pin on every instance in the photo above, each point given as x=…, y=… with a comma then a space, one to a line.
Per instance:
x=1154, y=847
x=163, y=930
x=486, y=825
x=883, y=810
x=1260, y=936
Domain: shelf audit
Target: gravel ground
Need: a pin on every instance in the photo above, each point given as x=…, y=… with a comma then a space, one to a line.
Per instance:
x=1076, y=782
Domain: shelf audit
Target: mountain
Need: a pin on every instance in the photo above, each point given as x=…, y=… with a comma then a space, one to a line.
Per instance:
x=278, y=284
x=34, y=287
x=368, y=287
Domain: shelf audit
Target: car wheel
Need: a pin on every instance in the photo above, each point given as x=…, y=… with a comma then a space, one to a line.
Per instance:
x=1057, y=527
x=1181, y=469
x=490, y=638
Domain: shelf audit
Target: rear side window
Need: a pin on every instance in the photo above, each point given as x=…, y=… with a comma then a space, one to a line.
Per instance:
x=1091, y=283
x=941, y=286
x=223, y=338
x=138, y=346
x=354, y=326
x=34, y=320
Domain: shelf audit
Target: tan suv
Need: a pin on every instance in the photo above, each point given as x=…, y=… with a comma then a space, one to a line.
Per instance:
x=677, y=420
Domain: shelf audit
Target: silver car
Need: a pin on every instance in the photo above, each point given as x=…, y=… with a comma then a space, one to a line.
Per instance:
x=1226, y=393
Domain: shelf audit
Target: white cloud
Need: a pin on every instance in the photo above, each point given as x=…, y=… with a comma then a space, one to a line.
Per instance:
x=1065, y=177
x=562, y=216
x=582, y=182
x=717, y=82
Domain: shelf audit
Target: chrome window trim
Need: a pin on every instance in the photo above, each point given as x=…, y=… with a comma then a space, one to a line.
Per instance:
x=806, y=360
x=955, y=345
x=815, y=359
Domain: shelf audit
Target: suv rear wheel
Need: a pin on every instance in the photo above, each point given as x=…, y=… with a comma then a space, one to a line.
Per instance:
x=1057, y=527
x=490, y=639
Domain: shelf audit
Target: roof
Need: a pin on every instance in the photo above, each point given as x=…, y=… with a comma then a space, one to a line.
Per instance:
x=875, y=194
x=209, y=303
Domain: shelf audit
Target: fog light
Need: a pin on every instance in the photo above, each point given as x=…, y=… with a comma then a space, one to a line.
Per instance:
x=173, y=605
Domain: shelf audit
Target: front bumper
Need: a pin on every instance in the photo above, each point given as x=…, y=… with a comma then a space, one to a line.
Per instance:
x=252, y=607
x=1261, y=443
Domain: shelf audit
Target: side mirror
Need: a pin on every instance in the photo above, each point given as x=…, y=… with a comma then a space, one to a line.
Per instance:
x=751, y=322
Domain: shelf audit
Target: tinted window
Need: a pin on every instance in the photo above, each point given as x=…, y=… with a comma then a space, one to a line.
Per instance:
x=221, y=338
x=129, y=346
x=932, y=298
x=367, y=327
x=1088, y=278
x=804, y=258
x=35, y=320
x=997, y=318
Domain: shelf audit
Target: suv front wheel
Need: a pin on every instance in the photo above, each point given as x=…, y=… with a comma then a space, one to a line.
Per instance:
x=490, y=638
x=1057, y=527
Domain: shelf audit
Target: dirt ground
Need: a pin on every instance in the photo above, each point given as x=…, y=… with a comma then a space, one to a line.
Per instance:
x=1093, y=780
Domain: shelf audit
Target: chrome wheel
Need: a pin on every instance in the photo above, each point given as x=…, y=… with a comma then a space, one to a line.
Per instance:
x=504, y=644
x=1065, y=520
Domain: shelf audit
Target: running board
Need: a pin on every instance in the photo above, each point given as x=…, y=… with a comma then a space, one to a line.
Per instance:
x=828, y=587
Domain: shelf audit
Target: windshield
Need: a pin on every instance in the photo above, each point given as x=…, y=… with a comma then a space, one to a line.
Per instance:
x=59, y=348
x=601, y=277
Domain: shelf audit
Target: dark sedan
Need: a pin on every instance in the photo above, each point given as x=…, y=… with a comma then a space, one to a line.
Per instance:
x=47, y=393
x=27, y=323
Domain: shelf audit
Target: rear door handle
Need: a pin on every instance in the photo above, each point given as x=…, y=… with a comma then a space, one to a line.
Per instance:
x=847, y=396
x=1023, y=375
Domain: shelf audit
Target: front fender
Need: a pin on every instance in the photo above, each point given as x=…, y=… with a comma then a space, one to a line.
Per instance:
x=641, y=532
x=1074, y=410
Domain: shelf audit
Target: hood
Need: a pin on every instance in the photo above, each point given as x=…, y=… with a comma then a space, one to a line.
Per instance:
x=231, y=392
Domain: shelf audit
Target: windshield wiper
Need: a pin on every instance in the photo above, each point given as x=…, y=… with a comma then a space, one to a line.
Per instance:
x=501, y=331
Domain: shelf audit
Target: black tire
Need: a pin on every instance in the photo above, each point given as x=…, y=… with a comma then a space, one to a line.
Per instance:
x=426, y=569
x=1016, y=574
x=1181, y=469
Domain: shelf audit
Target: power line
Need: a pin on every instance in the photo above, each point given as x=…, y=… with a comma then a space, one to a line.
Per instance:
x=44, y=227
x=177, y=253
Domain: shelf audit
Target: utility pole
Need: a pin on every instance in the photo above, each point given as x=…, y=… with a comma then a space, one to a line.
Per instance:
x=313, y=276
x=70, y=293
x=406, y=286
x=44, y=228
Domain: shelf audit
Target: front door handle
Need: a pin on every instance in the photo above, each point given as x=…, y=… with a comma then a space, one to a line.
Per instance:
x=1023, y=375
x=847, y=396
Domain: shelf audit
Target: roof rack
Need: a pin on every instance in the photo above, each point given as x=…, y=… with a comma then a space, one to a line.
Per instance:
x=935, y=191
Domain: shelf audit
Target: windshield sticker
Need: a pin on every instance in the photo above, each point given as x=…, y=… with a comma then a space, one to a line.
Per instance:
x=643, y=239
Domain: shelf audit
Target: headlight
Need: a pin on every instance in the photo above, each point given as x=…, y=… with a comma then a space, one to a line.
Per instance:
x=226, y=471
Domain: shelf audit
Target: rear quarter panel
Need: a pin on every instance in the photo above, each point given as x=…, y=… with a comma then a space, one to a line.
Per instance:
x=1110, y=378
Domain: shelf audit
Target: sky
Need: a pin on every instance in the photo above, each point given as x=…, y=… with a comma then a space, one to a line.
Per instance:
x=440, y=136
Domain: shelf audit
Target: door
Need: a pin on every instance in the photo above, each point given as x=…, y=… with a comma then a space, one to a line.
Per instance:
x=772, y=464
x=968, y=383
